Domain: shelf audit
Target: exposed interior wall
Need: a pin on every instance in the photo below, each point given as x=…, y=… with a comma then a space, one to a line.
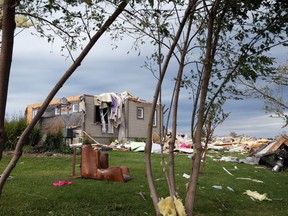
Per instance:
x=92, y=127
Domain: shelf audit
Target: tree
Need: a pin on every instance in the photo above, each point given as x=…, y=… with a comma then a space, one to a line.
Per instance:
x=69, y=25
x=216, y=45
x=233, y=134
x=271, y=92
x=215, y=118
x=233, y=39
x=8, y=19
x=7, y=26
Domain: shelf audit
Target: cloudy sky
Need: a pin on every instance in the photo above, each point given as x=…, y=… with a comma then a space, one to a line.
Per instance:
x=37, y=66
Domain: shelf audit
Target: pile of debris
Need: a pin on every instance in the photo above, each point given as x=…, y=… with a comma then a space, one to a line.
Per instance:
x=268, y=152
x=273, y=154
x=182, y=144
x=243, y=144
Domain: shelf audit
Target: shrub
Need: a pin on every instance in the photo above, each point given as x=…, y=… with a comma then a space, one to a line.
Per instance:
x=34, y=137
x=28, y=149
x=14, y=129
x=54, y=141
x=66, y=149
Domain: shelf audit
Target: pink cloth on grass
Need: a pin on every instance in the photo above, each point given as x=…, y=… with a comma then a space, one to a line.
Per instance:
x=61, y=183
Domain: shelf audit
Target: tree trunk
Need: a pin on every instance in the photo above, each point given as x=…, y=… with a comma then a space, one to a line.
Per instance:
x=148, y=147
x=208, y=61
x=67, y=74
x=8, y=25
x=175, y=106
x=194, y=112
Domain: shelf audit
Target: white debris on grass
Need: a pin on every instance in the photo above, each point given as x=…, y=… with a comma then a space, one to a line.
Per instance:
x=254, y=195
x=217, y=187
x=229, y=188
x=186, y=176
x=249, y=179
x=227, y=171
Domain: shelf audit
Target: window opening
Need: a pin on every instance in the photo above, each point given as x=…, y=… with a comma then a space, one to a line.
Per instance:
x=57, y=111
x=75, y=107
x=140, y=113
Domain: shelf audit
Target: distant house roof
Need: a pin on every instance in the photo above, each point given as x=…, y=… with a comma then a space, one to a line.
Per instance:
x=30, y=107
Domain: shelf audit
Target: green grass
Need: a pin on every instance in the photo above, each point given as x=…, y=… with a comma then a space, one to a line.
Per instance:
x=30, y=191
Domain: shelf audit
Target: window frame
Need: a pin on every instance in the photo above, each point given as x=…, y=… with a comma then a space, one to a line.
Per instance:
x=34, y=112
x=140, y=113
x=74, y=110
x=97, y=117
x=57, y=111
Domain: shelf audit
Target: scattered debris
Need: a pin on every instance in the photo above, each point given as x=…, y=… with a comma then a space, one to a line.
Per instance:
x=272, y=154
x=142, y=195
x=186, y=176
x=249, y=179
x=229, y=159
x=62, y=183
x=229, y=188
x=140, y=147
x=167, y=208
x=240, y=144
x=217, y=187
x=9, y=177
x=255, y=195
x=227, y=171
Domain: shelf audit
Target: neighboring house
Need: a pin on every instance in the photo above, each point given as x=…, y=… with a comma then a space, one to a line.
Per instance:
x=105, y=117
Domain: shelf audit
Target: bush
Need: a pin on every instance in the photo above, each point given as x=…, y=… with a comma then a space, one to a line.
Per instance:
x=28, y=149
x=34, y=137
x=54, y=141
x=14, y=129
x=66, y=149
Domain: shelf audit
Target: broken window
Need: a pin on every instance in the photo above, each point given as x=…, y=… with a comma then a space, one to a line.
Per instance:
x=34, y=112
x=98, y=114
x=57, y=111
x=63, y=109
x=102, y=116
x=75, y=107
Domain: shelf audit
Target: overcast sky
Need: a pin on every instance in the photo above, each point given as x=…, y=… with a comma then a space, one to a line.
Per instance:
x=37, y=66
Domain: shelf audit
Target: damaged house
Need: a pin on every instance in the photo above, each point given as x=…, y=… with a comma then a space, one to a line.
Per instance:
x=105, y=117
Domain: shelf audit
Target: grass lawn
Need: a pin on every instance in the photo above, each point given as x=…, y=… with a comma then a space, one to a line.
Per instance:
x=30, y=191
